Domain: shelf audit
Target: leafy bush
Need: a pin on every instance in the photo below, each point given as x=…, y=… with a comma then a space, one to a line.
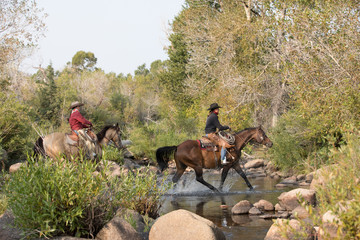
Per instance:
x=288, y=148
x=295, y=145
x=3, y=199
x=342, y=189
x=50, y=198
x=145, y=197
x=15, y=129
x=113, y=154
x=59, y=197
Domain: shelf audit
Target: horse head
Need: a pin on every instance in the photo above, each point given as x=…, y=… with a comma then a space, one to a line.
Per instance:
x=113, y=134
x=260, y=137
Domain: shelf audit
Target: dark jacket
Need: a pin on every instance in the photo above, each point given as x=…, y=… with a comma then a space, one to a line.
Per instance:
x=212, y=123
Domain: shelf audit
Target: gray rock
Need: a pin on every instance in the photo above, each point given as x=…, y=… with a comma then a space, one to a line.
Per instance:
x=291, y=228
x=254, y=163
x=309, y=177
x=242, y=207
x=264, y=205
x=278, y=207
x=304, y=184
x=289, y=200
x=289, y=181
x=254, y=211
x=132, y=217
x=300, y=212
x=300, y=177
x=7, y=230
x=118, y=229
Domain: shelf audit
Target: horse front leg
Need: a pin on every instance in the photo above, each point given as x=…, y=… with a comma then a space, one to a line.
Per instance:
x=242, y=174
x=199, y=178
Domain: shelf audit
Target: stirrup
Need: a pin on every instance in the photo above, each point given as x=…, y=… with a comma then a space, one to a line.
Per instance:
x=224, y=162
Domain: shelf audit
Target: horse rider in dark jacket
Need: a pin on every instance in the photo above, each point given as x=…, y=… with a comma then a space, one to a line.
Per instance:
x=212, y=124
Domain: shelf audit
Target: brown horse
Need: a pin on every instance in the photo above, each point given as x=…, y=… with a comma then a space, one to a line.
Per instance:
x=189, y=154
x=56, y=144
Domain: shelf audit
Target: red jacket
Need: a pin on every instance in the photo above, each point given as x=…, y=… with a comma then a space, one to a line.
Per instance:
x=77, y=121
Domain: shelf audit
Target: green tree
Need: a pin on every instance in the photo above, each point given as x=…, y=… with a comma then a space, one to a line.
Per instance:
x=142, y=70
x=174, y=76
x=49, y=103
x=84, y=60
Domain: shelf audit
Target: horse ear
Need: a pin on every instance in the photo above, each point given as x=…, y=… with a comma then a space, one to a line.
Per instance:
x=259, y=127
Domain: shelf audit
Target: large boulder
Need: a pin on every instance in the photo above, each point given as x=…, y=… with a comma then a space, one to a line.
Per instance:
x=242, y=207
x=290, y=200
x=255, y=163
x=134, y=217
x=184, y=225
x=292, y=229
x=118, y=229
x=300, y=212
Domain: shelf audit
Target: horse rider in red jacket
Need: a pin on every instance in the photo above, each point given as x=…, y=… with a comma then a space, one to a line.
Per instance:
x=79, y=125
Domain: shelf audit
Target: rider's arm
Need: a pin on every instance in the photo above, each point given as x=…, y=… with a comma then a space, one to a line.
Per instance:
x=80, y=118
x=218, y=125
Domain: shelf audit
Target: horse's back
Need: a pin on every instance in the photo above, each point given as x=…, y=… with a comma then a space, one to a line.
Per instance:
x=189, y=153
x=188, y=145
x=54, y=144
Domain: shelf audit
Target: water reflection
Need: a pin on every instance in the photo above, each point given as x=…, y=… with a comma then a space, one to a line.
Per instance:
x=217, y=208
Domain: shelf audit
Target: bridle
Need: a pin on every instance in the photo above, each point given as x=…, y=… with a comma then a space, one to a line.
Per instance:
x=111, y=141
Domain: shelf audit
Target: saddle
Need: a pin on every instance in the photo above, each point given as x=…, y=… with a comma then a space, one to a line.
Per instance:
x=72, y=139
x=206, y=144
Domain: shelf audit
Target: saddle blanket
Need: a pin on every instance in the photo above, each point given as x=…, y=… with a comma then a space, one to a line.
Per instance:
x=207, y=145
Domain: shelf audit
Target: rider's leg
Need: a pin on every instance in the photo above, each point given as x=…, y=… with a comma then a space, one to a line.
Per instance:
x=90, y=147
x=223, y=154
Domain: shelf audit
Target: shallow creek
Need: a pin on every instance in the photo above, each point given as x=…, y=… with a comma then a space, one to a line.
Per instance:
x=193, y=196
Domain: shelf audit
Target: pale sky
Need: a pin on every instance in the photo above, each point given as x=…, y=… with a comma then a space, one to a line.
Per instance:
x=122, y=34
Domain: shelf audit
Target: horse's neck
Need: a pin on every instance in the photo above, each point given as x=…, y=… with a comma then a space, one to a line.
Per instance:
x=243, y=138
x=105, y=139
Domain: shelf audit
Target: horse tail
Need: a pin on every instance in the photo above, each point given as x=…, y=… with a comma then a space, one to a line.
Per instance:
x=163, y=156
x=39, y=147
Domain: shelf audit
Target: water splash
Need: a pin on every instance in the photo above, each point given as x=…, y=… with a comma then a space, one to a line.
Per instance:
x=188, y=185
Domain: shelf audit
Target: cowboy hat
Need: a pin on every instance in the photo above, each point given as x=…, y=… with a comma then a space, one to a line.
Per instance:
x=76, y=104
x=213, y=106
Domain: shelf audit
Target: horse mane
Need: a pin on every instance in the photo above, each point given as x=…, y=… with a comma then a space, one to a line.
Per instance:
x=102, y=133
x=246, y=129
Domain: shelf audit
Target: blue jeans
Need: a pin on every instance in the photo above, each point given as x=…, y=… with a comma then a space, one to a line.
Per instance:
x=222, y=152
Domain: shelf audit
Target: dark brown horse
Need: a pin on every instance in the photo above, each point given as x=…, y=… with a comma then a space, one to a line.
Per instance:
x=189, y=154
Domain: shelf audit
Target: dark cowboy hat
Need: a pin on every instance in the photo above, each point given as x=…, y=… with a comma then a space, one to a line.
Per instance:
x=213, y=106
x=76, y=104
